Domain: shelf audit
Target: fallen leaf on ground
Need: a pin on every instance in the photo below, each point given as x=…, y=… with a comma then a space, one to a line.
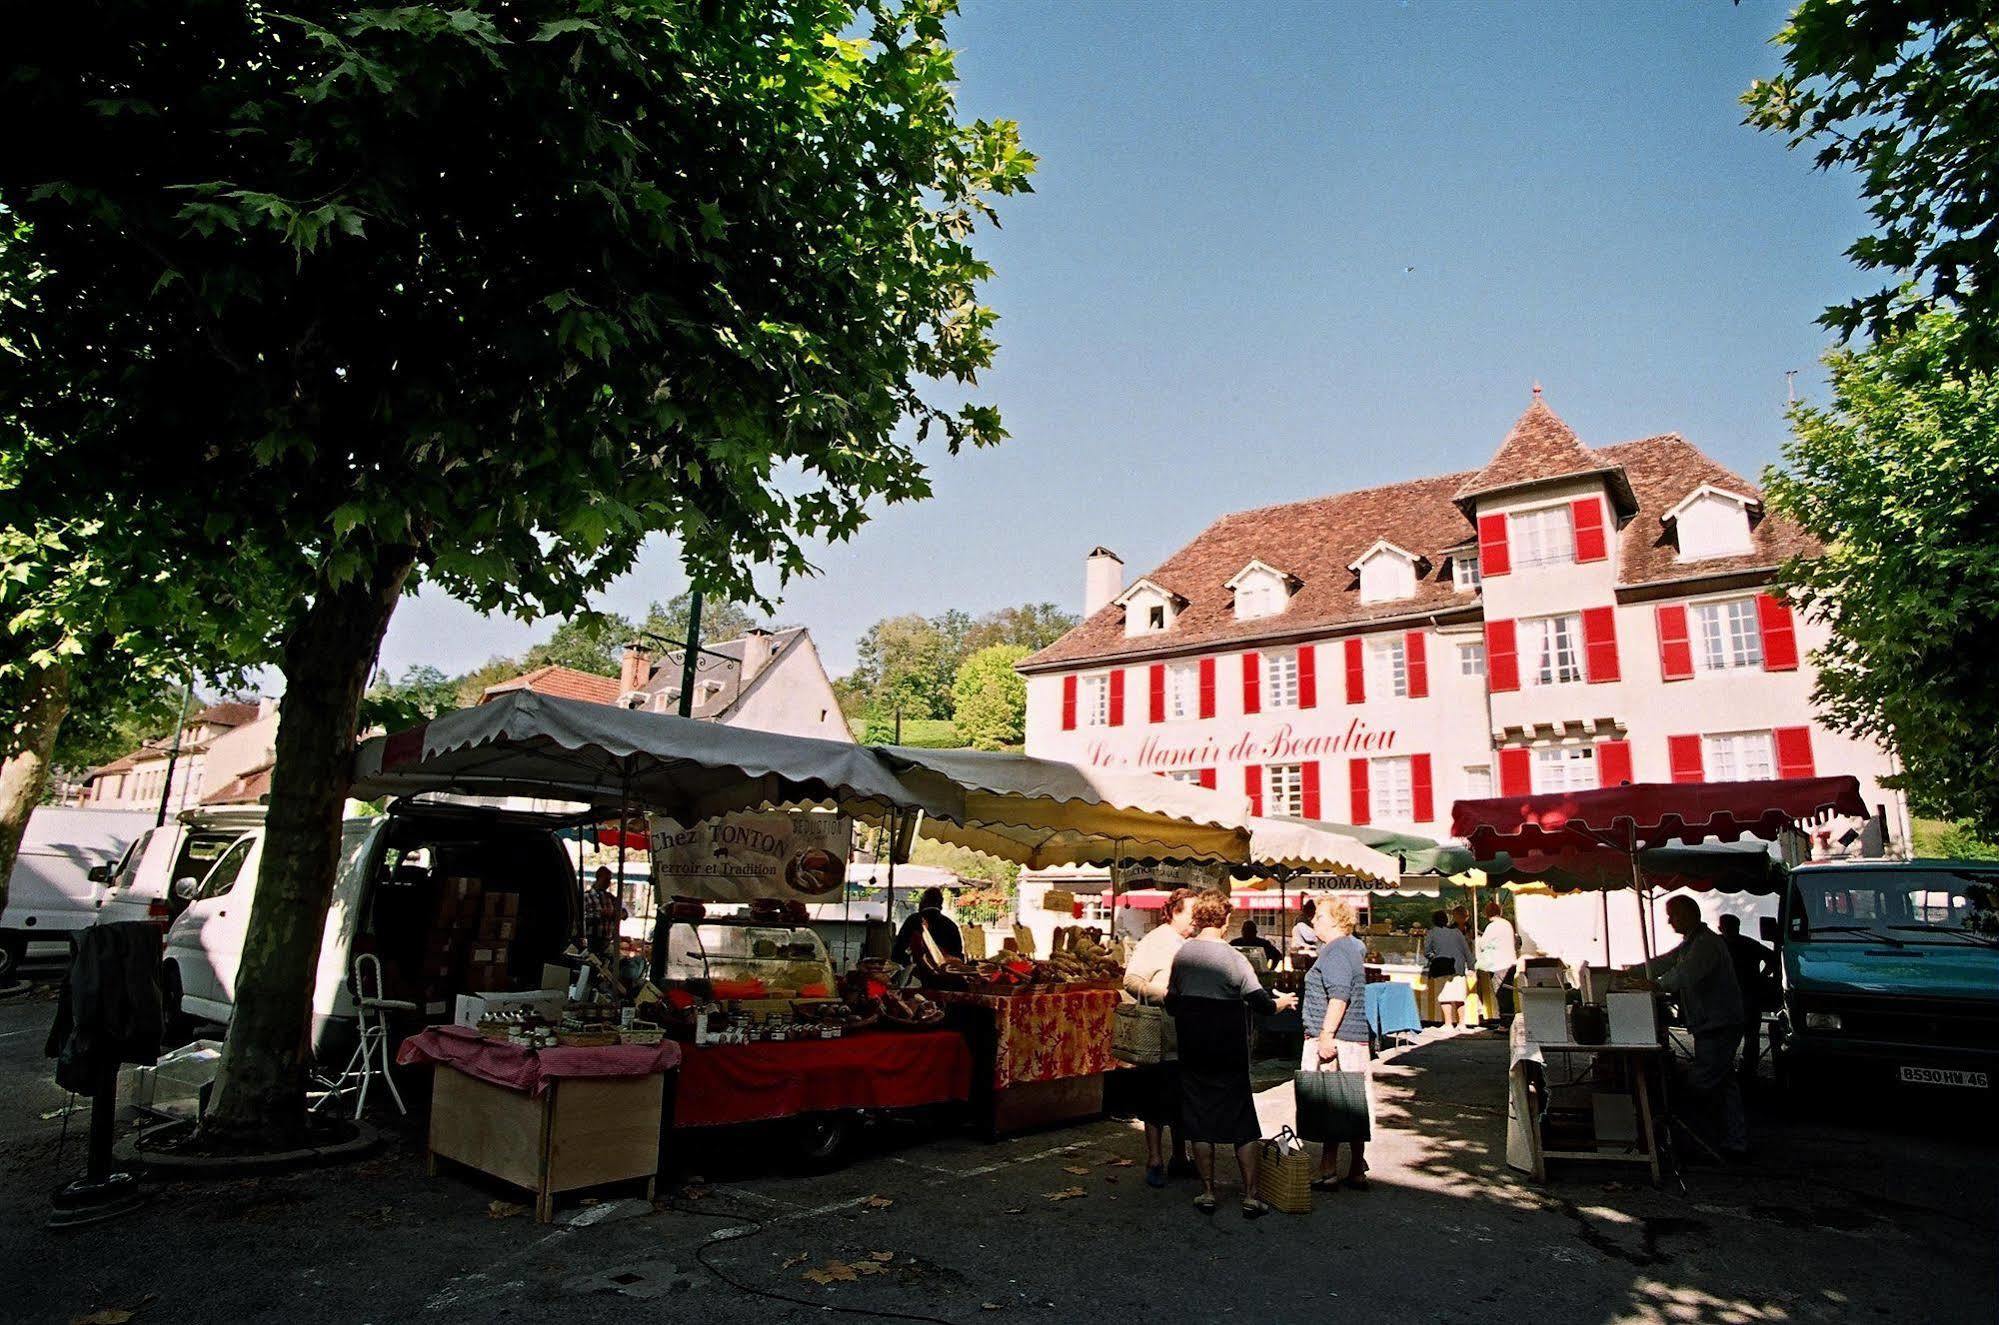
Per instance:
x=832, y=1272
x=1015, y=1209
x=1110, y=1177
x=108, y=1316
x=1066, y=1194
x=881, y=1257
x=989, y=1306
x=880, y=1202
x=1075, y=1168
x=1119, y=1163
x=799, y=1259
x=504, y=1209
x=695, y=1193
x=868, y=1267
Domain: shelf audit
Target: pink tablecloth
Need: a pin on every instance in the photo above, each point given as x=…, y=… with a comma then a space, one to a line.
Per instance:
x=1046, y=1037
x=531, y=1070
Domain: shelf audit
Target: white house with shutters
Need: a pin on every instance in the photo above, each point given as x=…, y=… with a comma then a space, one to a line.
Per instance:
x=1565, y=617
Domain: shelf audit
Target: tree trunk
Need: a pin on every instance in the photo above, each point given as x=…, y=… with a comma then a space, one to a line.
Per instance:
x=260, y=1086
x=24, y=774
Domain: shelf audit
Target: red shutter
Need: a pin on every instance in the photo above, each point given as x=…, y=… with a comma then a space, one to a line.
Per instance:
x=1599, y=644
x=1421, y=794
x=1068, y=703
x=1676, y=653
x=1613, y=763
x=1780, y=635
x=1252, y=694
x=1794, y=752
x=1208, y=778
x=1308, y=676
x=1207, y=687
x=1493, y=557
x=1356, y=674
x=1516, y=771
x=1358, y=801
x=1417, y=663
x=1117, y=697
x=1683, y=756
x=1156, y=683
x=1252, y=785
x=1591, y=544
x=1502, y=657
x=1310, y=776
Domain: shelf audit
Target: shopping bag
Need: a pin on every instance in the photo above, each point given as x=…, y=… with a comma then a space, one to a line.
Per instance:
x=1332, y=1106
x=1143, y=1035
x=1284, y=1170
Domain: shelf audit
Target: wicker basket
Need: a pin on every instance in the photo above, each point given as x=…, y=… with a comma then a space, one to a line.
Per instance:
x=1143, y=1035
x=1284, y=1170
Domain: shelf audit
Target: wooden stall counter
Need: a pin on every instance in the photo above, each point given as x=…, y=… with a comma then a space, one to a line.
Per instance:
x=1039, y=1058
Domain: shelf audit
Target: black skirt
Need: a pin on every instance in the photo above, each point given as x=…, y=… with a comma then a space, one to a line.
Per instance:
x=1217, y=1102
x=1158, y=1092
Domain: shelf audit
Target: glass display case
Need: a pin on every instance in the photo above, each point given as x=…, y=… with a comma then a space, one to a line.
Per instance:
x=785, y=960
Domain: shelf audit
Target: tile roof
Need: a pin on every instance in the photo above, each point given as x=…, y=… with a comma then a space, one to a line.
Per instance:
x=561, y=682
x=1539, y=447
x=249, y=787
x=1317, y=540
x=228, y=713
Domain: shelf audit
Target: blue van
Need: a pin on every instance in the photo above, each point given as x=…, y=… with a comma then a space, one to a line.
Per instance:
x=1890, y=972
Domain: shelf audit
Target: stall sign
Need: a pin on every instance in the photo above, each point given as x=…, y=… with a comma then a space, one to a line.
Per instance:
x=798, y=856
x=1202, y=874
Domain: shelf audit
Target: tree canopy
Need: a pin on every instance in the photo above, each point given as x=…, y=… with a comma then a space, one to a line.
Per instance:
x=913, y=661
x=1899, y=480
x=989, y=698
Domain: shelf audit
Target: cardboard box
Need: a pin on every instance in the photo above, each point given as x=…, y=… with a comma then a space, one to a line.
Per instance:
x=548, y=1002
x=555, y=976
x=1547, y=1014
x=496, y=929
x=502, y=905
x=487, y=955
x=1633, y=1019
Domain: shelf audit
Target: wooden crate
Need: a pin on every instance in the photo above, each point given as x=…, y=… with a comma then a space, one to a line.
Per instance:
x=580, y=1132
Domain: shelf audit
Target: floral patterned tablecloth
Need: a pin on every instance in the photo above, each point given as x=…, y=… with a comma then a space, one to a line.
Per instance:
x=1046, y=1037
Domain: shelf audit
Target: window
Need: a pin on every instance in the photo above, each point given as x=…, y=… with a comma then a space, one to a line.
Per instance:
x=1471, y=660
x=1284, y=789
x=1542, y=538
x=1257, y=598
x=1565, y=768
x=1727, y=635
x=1478, y=782
x=1551, y=650
x=222, y=877
x=1097, y=700
x=1387, y=577
x=1388, y=668
x=1183, y=691
x=1712, y=523
x=1190, y=776
x=1280, y=686
x=1155, y=617
x=1738, y=757
x=1389, y=793
x=1464, y=571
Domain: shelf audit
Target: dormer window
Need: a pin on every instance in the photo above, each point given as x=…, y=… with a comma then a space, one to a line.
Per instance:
x=1712, y=522
x=1261, y=590
x=1149, y=608
x=1464, y=572
x=1388, y=573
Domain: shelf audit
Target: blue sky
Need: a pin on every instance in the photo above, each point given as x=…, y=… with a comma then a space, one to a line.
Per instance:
x=1207, y=303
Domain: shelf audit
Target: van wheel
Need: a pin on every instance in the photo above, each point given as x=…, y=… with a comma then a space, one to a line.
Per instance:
x=176, y=1027
x=13, y=947
x=821, y=1140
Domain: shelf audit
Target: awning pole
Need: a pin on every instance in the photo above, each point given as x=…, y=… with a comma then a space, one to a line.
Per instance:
x=624, y=815
x=888, y=909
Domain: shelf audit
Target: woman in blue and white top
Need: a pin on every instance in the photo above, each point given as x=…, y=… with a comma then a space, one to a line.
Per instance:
x=1337, y=1038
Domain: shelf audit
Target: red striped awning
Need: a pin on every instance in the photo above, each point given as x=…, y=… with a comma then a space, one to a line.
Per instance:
x=1649, y=814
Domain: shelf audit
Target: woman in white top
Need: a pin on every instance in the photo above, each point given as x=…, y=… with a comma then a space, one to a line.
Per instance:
x=1449, y=958
x=1145, y=979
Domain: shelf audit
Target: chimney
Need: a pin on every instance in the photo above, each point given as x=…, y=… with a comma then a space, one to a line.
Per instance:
x=1103, y=580
x=266, y=706
x=756, y=652
x=634, y=668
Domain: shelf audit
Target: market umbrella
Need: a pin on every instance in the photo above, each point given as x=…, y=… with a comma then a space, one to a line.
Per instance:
x=1420, y=855
x=1281, y=847
x=1732, y=867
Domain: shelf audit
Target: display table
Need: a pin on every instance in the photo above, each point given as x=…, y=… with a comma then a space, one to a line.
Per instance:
x=1391, y=1009
x=1616, y=1070
x=723, y=1084
x=1425, y=991
x=1040, y=1058
x=549, y=1120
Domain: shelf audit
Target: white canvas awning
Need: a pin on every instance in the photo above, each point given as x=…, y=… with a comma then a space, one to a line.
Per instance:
x=1299, y=848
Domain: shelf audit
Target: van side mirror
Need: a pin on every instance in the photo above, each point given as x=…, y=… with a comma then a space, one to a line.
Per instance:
x=1768, y=926
x=99, y=873
x=186, y=886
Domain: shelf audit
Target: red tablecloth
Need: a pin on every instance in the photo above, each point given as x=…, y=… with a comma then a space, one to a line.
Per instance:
x=741, y=1083
x=519, y=1068
x=1046, y=1037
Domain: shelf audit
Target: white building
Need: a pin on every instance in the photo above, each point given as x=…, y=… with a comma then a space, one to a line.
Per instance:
x=1565, y=617
x=224, y=758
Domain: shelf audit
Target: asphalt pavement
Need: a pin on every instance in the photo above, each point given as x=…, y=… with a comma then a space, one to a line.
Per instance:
x=1890, y=1212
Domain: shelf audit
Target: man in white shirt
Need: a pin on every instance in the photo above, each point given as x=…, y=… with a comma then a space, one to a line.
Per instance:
x=1498, y=955
x=1145, y=979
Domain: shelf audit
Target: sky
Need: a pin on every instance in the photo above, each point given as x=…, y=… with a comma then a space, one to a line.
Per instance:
x=1277, y=251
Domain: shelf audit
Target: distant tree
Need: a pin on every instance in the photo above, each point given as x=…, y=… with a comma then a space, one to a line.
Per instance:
x=1902, y=94
x=469, y=688
x=589, y=642
x=421, y=693
x=719, y=620
x=1899, y=480
x=1033, y=626
x=103, y=727
x=989, y=698
x=905, y=662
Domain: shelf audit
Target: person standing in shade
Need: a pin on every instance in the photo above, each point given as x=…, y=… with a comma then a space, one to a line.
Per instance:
x=603, y=912
x=1447, y=958
x=1252, y=944
x=1337, y=1037
x=1211, y=993
x=1755, y=975
x=1145, y=979
x=1498, y=956
x=1701, y=976
x=929, y=919
x=1304, y=939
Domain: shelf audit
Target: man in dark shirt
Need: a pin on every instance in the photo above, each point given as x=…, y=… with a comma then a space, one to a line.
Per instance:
x=929, y=919
x=1250, y=941
x=1755, y=969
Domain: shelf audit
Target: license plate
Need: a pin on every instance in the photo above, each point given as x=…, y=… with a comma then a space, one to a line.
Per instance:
x=1945, y=1076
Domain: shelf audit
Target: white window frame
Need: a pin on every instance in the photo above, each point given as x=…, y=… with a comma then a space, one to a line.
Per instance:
x=1388, y=668
x=1280, y=680
x=1284, y=789
x=1544, y=536
x=1554, y=645
x=1256, y=599
x=1183, y=691
x=1559, y=768
x=1727, y=634
x=1464, y=572
x=1190, y=776
x=1391, y=789
x=1471, y=659
x=1095, y=700
x=1478, y=782
x=1749, y=756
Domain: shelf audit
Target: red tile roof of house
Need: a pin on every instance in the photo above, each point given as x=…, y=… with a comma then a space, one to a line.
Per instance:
x=249, y=787
x=228, y=713
x=1541, y=447
x=1317, y=540
x=561, y=682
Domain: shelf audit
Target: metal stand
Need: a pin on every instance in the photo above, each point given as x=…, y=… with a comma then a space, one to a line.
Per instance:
x=100, y=1194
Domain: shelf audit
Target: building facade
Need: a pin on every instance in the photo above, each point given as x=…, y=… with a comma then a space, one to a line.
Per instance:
x=1566, y=617
x=224, y=750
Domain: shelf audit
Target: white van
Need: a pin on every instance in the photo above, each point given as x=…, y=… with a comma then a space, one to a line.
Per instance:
x=140, y=885
x=53, y=892
x=390, y=896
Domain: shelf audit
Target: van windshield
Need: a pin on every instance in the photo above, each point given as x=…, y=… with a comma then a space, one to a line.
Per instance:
x=1918, y=906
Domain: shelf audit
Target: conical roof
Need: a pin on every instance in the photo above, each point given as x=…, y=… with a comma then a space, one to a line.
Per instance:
x=1541, y=448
